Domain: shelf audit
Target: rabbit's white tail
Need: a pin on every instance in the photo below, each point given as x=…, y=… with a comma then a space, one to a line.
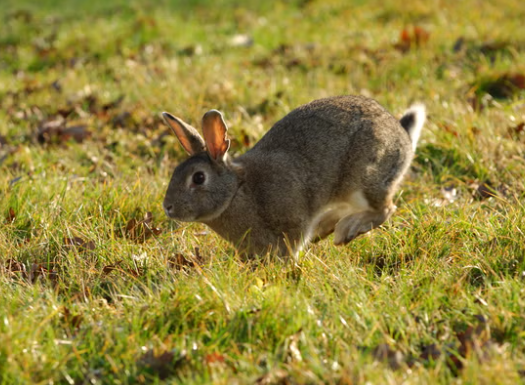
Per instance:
x=413, y=121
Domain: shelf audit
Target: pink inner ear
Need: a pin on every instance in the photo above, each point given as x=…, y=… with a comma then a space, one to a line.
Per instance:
x=185, y=143
x=188, y=136
x=214, y=130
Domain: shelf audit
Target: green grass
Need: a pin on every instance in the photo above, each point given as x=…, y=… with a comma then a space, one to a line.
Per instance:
x=97, y=286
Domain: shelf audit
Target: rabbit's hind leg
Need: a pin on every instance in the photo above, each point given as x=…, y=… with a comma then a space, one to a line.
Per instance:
x=353, y=225
x=327, y=220
x=324, y=224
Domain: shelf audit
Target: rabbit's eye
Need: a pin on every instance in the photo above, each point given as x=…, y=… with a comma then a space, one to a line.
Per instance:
x=198, y=177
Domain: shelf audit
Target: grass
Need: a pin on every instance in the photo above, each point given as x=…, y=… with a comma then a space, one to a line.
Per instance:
x=97, y=286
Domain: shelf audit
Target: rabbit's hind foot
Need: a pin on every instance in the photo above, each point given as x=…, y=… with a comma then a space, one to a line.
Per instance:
x=353, y=225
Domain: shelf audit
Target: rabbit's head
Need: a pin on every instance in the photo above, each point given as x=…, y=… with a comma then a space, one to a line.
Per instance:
x=203, y=186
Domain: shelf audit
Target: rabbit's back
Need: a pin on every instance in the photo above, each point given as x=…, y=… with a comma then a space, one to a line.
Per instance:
x=337, y=145
x=326, y=122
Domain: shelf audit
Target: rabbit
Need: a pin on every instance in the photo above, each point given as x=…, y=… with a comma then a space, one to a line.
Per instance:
x=330, y=166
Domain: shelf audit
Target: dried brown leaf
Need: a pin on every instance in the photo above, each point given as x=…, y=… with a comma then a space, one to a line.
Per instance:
x=501, y=86
x=163, y=364
x=122, y=120
x=459, y=44
x=10, y=216
x=77, y=133
x=475, y=338
x=449, y=130
x=109, y=268
x=71, y=320
x=412, y=39
x=113, y=104
x=483, y=191
x=178, y=261
x=246, y=141
x=15, y=268
x=384, y=353
x=56, y=132
x=40, y=271
x=421, y=35
x=80, y=244
x=142, y=230
x=430, y=353
x=214, y=358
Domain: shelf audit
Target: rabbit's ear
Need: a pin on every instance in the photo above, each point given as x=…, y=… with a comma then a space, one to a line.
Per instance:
x=214, y=131
x=187, y=135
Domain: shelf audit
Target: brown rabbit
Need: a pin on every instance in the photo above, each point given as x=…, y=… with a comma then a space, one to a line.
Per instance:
x=332, y=165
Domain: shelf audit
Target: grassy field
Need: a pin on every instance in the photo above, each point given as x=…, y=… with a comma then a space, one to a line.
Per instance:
x=98, y=287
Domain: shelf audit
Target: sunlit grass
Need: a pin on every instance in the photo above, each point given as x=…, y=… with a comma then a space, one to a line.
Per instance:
x=97, y=286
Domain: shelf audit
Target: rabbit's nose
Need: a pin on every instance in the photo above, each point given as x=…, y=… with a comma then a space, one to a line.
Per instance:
x=168, y=209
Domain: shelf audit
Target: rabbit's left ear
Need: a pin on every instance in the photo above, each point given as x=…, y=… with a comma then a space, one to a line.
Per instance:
x=187, y=135
x=214, y=131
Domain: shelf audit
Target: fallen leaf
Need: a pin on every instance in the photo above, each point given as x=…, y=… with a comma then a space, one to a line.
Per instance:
x=39, y=271
x=478, y=102
x=17, y=268
x=421, y=36
x=178, y=261
x=474, y=131
x=71, y=320
x=163, y=364
x=50, y=130
x=56, y=86
x=459, y=45
x=474, y=340
x=384, y=353
x=78, y=133
x=214, y=358
x=11, y=216
x=483, y=191
x=501, y=86
x=430, y=353
x=122, y=120
x=79, y=243
x=56, y=132
x=409, y=40
x=141, y=230
x=113, y=104
x=449, y=129
x=109, y=268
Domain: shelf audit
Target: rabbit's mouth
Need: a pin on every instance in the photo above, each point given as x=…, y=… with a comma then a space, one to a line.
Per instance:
x=173, y=213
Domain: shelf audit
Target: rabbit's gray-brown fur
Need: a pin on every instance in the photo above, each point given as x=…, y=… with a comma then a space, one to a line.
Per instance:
x=332, y=165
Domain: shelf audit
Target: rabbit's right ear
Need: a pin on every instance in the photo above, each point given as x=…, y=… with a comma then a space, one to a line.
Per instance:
x=214, y=130
x=187, y=135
